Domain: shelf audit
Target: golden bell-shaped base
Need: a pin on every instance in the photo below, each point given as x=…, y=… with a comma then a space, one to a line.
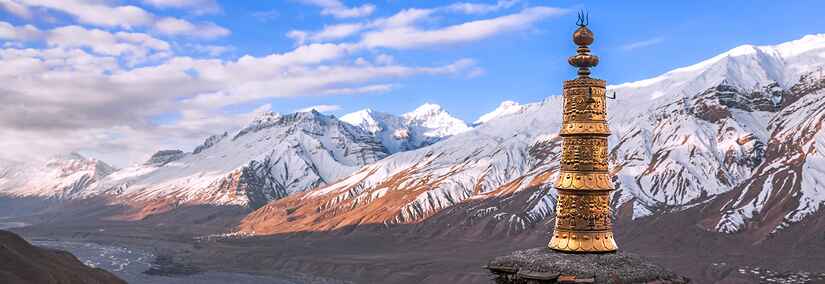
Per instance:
x=583, y=241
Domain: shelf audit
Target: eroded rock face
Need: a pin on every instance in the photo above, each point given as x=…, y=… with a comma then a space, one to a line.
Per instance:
x=20, y=262
x=164, y=157
x=209, y=142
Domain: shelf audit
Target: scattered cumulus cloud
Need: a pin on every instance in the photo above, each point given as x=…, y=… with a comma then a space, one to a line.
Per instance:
x=128, y=17
x=337, y=9
x=211, y=50
x=331, y=32
x=412, y=37
x=400, y=31
x=24, y=33
x=16, y=8
x=479, y=8
x=175, y=26
x=100, y=81
x=196, y=6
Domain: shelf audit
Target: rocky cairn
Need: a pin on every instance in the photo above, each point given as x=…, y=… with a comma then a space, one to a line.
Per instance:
x=543, y=265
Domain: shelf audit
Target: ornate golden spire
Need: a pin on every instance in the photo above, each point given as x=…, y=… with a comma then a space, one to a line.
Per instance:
x=583, y=37
x=583, y=220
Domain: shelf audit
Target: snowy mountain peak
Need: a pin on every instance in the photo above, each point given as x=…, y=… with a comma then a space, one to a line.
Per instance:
x=744, y=66
x=424, y=126
x=802, y=45
x=61, y=176
x=505, y=108
x=437, y=121
x=263, y=118
x=369, y=120
x=270, y=119
x=425, y=109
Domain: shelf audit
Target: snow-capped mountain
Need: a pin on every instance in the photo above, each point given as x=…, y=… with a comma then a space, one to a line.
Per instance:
x=424, y=126
x=789, y=184
x=63, y=176
x=735, y=134
x=505, y=108
x=272, y=157
x=745, y=67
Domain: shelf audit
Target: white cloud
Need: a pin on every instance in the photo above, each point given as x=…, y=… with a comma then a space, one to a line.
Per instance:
x=404, y=18
x=175, y=26
x=477, y=8
x=211, y=50
x=78, y=91
x=106, y=43
x=95, y=13
x=381, y=88
x=300, y=37
x=100, y=14
x=411, y=37
x=642, y=44
x=12, y=6
x=331, y=32
x=197, y=6
x=133, y=47
x=384, y=59
x=320, y=108
x=401, y=31
x=24, y=33
x=337, y=9
x=85, y=85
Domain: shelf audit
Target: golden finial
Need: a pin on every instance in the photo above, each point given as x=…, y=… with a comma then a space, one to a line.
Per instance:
x=583, y=37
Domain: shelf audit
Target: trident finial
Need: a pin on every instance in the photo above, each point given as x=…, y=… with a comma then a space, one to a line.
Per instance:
x=584, y=19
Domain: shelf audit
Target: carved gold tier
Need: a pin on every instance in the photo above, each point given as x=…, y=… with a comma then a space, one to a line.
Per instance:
x=584, y=154
x=584, y=181
x=583, y=242
x=583, y=222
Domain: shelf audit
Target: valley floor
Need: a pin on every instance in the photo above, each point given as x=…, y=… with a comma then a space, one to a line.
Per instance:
x=395, y=255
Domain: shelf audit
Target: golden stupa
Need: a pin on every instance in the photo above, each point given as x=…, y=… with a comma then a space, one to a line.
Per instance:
x=583, y=218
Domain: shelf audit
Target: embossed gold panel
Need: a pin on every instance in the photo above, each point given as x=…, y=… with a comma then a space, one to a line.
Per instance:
x=583, y=218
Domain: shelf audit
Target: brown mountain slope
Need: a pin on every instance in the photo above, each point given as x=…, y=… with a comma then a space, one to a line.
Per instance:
x=21, y=262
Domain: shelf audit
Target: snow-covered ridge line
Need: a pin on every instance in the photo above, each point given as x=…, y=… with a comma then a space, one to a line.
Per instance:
x=424, y=126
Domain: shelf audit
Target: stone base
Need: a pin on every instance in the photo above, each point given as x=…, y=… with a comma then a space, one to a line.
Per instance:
x=542, y=265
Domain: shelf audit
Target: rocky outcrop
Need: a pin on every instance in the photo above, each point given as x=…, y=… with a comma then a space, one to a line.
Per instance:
x=164, y=157
x=212, y=140
x=542, y=265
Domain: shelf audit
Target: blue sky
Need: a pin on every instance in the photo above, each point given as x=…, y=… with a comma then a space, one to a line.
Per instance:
x=121, y=79
x=635, y=40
